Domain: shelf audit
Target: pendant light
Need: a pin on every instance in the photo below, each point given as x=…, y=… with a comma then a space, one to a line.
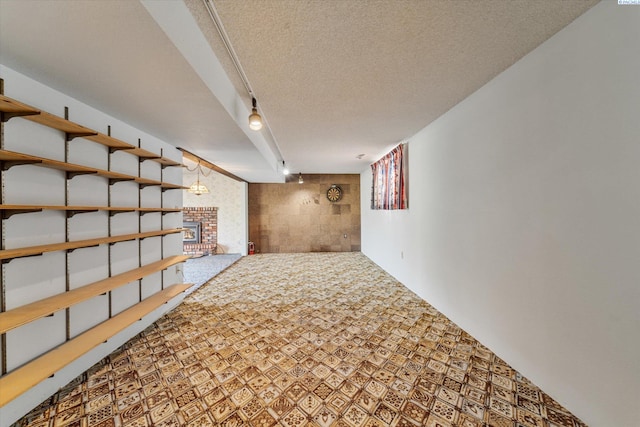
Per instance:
x=255, y=121
x=300, y=180
x=197, y=188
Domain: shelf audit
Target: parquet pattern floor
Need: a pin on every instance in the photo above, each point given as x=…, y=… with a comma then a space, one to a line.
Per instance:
x=323, y=339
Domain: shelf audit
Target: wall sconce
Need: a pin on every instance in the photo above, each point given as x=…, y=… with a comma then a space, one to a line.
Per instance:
x=198, y=188
x=300, y=180
x=255, y=121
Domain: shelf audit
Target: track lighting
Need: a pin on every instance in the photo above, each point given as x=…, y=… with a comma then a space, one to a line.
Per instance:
x=300, y=180
x=255, y=121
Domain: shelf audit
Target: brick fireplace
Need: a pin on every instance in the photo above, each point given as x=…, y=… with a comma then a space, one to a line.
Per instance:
x=202, y=235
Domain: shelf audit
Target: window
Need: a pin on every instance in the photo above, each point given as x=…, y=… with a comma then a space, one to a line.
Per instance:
x=388, y=190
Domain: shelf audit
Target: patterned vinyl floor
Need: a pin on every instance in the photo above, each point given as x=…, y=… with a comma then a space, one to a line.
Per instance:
x=317, y=340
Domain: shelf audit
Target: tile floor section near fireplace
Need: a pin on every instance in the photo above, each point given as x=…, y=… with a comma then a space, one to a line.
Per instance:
x=303, y=339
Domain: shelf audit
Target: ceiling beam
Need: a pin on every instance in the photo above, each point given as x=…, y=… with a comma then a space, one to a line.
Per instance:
x=174, y=18
x=195, y=158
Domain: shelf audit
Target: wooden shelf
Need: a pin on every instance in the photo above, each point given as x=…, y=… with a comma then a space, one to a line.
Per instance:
x=109, y=141
x=73, y=130
x=10, y=210
x=10, y=159
x=7, y=254
x=45, y=365
x=161, y=210
x=10, y=108
x=27, y=376
x=141, y=153
x=164, y=161
x=27, y=313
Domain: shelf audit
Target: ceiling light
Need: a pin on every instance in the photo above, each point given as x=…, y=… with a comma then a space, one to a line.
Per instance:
x=198, y=188
x=300, y=180
x=255, y=121
x=258, y=123
x=285, y=170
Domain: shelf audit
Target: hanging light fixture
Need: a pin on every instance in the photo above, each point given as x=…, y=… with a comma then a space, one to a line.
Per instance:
x=300, y=180
x=197, y=187
x=285, y=170
x=255, y=121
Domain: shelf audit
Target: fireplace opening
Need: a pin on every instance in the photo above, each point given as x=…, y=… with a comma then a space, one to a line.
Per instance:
x=201, y=237
x=192, y=232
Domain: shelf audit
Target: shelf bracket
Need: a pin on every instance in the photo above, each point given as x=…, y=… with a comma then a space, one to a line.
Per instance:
x=115, y=180
x=143, y=185
x=71, y=213
x=114, y=149
x=6, y=214
x=144, y=159
x=8, y=260
x=73, y=135
x=5, y=117
x=83, y=247
x=71, y=175
x=163, y=189
x=120, y=241
x=114, y=213
x=6, y=165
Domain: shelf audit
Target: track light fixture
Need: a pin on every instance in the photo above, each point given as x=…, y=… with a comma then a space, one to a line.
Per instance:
x=255, y=121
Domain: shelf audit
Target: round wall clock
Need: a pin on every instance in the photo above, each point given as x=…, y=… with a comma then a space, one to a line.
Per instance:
x=334, y=193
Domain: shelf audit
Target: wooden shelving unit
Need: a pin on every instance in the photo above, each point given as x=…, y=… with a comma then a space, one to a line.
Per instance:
x=9, y=254
x=15, y=382
x=28, y=313
x=22, y=379
x=9, y=159
x=10, y=108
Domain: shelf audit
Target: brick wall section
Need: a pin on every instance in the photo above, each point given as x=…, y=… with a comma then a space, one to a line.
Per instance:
x=294, y=217
x=208, y=217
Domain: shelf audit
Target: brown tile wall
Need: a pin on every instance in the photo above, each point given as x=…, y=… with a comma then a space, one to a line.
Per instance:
x=294, y=217
x=208, y=217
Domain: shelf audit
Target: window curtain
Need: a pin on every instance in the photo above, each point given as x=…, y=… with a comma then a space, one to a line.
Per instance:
x=388, y=190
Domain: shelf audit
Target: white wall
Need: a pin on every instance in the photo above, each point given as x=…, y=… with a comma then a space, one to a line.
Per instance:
x=30, y=279
x=524, y=219
x=230, y=197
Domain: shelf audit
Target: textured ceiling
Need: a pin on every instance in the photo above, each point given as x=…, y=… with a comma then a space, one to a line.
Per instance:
x=334, y=79
x=341, y=78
